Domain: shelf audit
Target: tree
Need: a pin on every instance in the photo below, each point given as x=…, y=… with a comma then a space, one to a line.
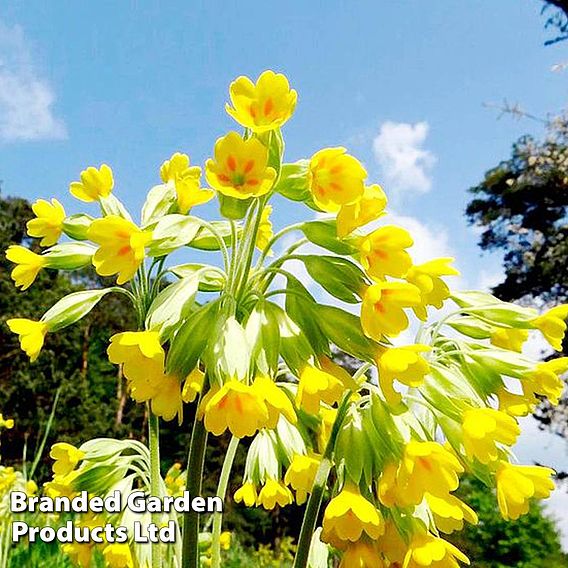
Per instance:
x=557, y=18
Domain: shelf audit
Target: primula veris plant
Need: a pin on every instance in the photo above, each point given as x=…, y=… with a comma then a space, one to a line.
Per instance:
x=248, y=345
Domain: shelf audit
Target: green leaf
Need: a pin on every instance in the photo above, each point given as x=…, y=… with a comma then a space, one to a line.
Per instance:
x=211, y=278
x=293, y=182
x=159, y=202
x=172, y=232
x=324, y=234
x=205, y=240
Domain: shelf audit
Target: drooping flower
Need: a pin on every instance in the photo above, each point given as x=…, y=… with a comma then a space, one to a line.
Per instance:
x=28, y=265
x=552, y=325
x=335, y=179
x=66, y=458
x=545, y=379
x=265, y=232
x=392, y=545
x=516, y=404
x=7, y=423
x=48, y=221
x=225, y=540
x=367, y=208
x=382, y=311
x=32, y=335
x=240, y=167
x=509, y=338
x=317, y=385
x=246, y=494
x=121, y=246
x=450, y=512
x=167, y=402
x=235, y=406
x=193, y=385
x=362, y=554
x=327, y=417
x=274, y=493
x=81, y=553
x=348, y=516
x=263, y=106
x=301, y=474
x=118, y=555
x=518, y=484
x=383, y=252
x=276, y=401
x=186, y=181
x=425, y=549
x=427, y=278
x=483, y=429
x=94, y=184
x=404, y=364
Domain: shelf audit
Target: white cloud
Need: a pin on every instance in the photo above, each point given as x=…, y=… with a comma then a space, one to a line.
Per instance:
x=405, y=164
x=26, y=100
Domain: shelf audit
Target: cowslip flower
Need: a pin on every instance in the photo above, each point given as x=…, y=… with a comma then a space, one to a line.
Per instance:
x=450, y=512
x=392, y=545
x=383, y=252
x=518, y=484
x=276, y=401
x=552, y=325
x=95, y=184
x=193, y=385
x=118, y=555
x=327, y=418
x=483, y=429
x=317, y=385
x=404, y=364
x=263, y=106
x=348, y=516
x=301, y=474
x=121, y=247
x=367, y=208
x=66, y=458
x=545, y=379
x=335, y=179
x=48, y=222
x=32, y=335
x=246, y=494
x=28, y=265
x=427, y=278
x=7, y=423
x=516, y=404
x=265, y=232
x=509, y=338
x=274, y=493
x=382, y=311
x=186, y=180
x=81, y=553
x=167, y=401
x=425, y=549
x=240, y=167
x=362, y=554
x=235, y=406
x=225, y=540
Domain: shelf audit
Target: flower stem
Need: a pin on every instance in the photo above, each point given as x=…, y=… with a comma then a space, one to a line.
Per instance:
x=155, y=479
x=221, y=493
x=195, y=461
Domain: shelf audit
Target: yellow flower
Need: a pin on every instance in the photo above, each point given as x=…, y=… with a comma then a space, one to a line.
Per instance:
x=301, y=474
x=193, y=385
x=48, y=222
x=483, y=428
x=118, y=555
x=276, y=401
x=66, y=458
x=516, y=404
x=450, y=513
x=28, y=265
x=518, y=484
x=235, y=406
x=361, y=554
x=545, y=379
x=167, y=401
x=392, y=545
x=349, y=515
x=240, y=168
x=404, y=364
x=32, y=335
x=382, y=311
x=552, y=325
x=61, y=485
x=94, y=184
x=425, y=549
x=327, y=416
x=367, y=208
x=79, y=552
x=274, y=493
x=264, y=106
x=335, y=179
x=7, y=423
x=317, y=385
x=246, y=494
x=427, y=278
x=509, y=338
x=265, y=232
x=225, y=540
x=383, y=252
x=186, y=181
x=121, y=246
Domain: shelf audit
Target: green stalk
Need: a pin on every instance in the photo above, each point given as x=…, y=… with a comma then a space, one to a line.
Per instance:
x=195, y=461
x=155, y=478
x=221, y=493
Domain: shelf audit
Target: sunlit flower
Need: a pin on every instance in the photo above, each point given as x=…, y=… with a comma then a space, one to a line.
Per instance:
x=509, y=338
x=32, y=335
x=392, y=545
x=246, y=494
x=276, y=401
x=263, y=106
x=425, y=549
x=167, y=401
x=186, y=181
x=265, y=232
x=361, y=554
x=367, y=208
x=327, y=416
x=66, y=458
x=225, y=540
x=118, y=555
x=317, y=385
x=61, y=485
x=240, y=167
x=450, y=512
x=335, y=179
x=94, y=184
x=545, y=379
x=48, y=222
x=274, y=493
x=552, y=325
x=121, y=246
x=7, y=423
x=193, y=385
x=518, y=484
x=28, y=265
x=382, y=312
x=81, y=553
x=383, y=252
x=427, y=278
x=516, y=404
x=301, y=474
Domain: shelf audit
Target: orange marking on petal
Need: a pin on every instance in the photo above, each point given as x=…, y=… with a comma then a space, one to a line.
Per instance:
x=335, y=185
x=378, y=307
x=249, y=166
x=252, y=181
x=252, y=111
x=223, y=178
x=232, y=163
x=268, y=106
x=124, y=250
x=336, y=169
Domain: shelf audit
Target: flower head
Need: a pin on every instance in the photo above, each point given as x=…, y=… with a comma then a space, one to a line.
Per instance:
x=28, y=265
x=383, y=252
x=193, y=385
x=7, y=423
x=167, y=401
x=225, y=540
x=186, y=181
x=94, y=184
x=118, y=555
x=265, y=232
x=80, y=552
x=274, y=493
x=516, y=404
x=317, y=385
x=425, y=549
x=450, y=513
x=545, y=379
x=246, y=494
x=552, y=325
x=32, y=335
x=263, y=106
x=518, y=484
x=361, y=554
x=335, y=179
x=367, y=208
x=48, y=222
x=121, y=246
x=509, y=338
x=66, y=458
x=276, y=401
x=240, y=167
x=382, y=311
x=301, y=474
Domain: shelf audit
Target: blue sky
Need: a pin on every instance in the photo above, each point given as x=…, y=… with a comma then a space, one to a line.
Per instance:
x=401, y=84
